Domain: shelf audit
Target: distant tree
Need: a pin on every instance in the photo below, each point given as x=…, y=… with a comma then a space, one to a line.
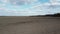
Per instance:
x=54, y=15
x=58, y=14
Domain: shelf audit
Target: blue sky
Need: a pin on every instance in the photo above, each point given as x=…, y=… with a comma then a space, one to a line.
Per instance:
x=32, y=7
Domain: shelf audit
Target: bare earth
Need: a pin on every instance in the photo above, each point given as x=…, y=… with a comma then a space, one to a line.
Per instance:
x=29, y=25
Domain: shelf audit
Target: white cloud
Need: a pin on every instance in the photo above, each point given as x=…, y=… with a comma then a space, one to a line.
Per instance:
x=36, y=9
x=55, y=2
x=22, y=2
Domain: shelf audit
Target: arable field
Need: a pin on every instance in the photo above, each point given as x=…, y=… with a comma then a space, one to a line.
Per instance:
x=29, y=25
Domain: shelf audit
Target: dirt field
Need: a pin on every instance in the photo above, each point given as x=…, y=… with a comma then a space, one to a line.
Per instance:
x=29, y=25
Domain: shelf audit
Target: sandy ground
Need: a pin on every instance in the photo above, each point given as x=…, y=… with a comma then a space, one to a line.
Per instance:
x=29, y=25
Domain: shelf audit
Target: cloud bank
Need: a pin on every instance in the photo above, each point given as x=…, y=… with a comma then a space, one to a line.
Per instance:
x=28, y=7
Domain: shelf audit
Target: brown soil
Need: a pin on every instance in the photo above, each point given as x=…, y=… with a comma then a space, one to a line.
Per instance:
x=29, y=25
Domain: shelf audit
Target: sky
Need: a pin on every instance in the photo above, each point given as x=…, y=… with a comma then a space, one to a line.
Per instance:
x=29, y=7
